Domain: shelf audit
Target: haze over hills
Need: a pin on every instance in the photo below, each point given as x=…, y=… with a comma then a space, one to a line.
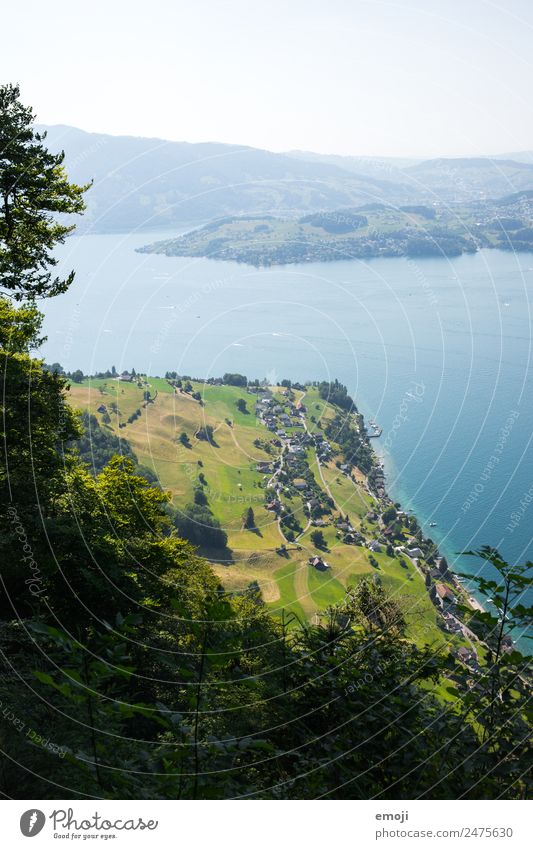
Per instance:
x=147, y=183
x=150, y=183
x=447, y=179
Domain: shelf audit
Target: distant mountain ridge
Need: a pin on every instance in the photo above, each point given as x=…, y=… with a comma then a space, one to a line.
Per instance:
x=444, y=179
x=148, y=183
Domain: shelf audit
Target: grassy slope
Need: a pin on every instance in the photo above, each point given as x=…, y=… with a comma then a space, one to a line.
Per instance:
x=233, y=484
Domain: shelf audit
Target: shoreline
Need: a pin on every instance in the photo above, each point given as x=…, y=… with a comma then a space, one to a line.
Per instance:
x=382, y=461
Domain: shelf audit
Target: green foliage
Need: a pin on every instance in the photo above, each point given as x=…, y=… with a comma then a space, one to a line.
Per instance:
x=197, y=524
x=336, y=222
x=336, y=393
x=184, y=439
x=97, y=445
x=249, y=520
x=33, y=190
x=354, y=446
x=318, y=539
x=389, y=514
x=235, y=379
x=199, y=496
x=20, y=328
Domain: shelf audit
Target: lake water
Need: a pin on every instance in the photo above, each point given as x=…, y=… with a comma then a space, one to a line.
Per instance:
x=438, y=351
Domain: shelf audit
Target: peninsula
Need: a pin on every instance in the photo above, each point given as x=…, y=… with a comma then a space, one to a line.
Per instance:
x=368, y=231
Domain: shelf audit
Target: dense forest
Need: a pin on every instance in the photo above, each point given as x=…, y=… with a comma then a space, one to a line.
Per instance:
x=128, y=672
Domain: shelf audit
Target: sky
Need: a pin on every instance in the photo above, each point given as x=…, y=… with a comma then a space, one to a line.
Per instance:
x=420, y=78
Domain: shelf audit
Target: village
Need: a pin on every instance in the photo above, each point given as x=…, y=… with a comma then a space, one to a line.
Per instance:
x=383, y=528
x=321, y=505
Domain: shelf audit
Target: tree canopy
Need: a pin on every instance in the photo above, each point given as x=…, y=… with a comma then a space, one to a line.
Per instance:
x=34, y=192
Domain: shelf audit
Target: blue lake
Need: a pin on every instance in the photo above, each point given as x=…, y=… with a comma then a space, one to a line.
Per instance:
x=438, y=351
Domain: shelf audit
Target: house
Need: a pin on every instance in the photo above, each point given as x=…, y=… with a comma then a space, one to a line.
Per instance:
x=263, y=466
x=466, y=655
x=352, y=538
x=126, y=377
x=445, y=594
x=273, y=505
x=507, y=643
x=415, y=553
x=374, y=545
x=318, y=563
x=371, y=516
x=300, y=484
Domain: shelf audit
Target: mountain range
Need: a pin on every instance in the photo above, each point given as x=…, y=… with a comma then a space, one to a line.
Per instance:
x=149, y=183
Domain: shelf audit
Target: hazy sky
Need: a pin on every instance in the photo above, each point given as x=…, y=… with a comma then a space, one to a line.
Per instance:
x=411, y=77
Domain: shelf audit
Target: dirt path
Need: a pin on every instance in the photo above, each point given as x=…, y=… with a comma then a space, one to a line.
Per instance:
x=301, y=589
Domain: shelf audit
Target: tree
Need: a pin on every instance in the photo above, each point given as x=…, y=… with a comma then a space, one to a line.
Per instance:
x=197, y=524
x=34, y=189
x=318, y=539
x=249, y=520
x=389, y=515
x=379, y=609
x=235, y=379
x=200, y=497
x=184, y=439
x=20, y=328
x=241, y=405
x=77, y=376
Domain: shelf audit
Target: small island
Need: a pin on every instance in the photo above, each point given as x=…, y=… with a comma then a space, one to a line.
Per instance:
x=373, y=230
